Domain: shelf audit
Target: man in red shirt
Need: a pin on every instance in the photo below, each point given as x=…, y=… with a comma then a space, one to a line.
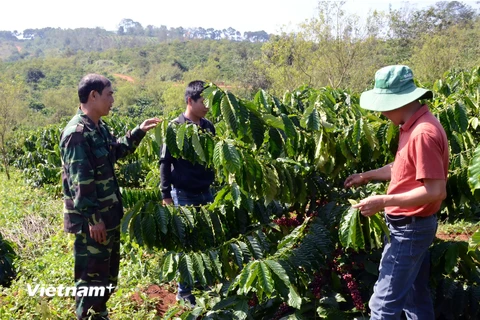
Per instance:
x=417, y=187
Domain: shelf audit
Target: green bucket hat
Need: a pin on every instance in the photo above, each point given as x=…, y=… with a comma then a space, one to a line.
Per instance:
x=394, y=88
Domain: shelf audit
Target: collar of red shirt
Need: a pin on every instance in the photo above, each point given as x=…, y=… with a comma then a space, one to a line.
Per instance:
x=420, y=112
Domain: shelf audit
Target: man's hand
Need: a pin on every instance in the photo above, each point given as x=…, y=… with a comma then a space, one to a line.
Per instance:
x=355, y=180
x=149, y=124
x=371, y=205
x=98, y=232
x=167, y=201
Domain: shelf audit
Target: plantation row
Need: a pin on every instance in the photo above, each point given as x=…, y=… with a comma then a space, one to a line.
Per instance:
x=281, y=237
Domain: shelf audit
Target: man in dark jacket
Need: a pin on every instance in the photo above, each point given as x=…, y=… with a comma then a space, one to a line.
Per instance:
x=191, y=182
x=92, y=200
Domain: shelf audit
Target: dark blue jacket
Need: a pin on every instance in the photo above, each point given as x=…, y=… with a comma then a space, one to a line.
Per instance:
x=181, y=173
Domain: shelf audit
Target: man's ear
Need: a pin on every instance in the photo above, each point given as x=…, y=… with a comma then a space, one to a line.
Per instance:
x=93, y=94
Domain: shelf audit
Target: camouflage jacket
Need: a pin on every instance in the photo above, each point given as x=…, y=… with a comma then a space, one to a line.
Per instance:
x=90, y=188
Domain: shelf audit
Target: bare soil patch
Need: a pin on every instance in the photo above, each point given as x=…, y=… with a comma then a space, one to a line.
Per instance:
x=164, y=297
x=453, y=236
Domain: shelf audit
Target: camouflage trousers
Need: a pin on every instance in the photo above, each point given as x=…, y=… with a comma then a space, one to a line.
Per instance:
x=96, y=266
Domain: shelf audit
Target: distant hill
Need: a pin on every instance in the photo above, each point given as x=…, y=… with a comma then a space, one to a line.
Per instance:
x=54, y=41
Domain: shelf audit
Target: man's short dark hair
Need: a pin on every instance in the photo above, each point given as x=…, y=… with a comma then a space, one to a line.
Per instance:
x=194, y=90
x=91, y=82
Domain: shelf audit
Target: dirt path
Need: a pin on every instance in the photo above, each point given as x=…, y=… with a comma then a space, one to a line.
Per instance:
x=221, y=85
x=124, y=77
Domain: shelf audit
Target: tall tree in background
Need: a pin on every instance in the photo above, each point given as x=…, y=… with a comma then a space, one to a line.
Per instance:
x=445, y=14
x=408, y=25
x=11, y=113
x=338, y=49
x=130, y=27
x=438, y=38
x=333, y=49
x=454, y=48
x=336, y=42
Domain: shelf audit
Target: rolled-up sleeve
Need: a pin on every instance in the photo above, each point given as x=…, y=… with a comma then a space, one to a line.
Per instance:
x=127, y=144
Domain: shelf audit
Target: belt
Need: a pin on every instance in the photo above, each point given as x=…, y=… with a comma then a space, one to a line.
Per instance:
x=194, y=191
x=402, y=220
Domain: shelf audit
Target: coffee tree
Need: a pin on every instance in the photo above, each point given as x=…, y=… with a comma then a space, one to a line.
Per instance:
x=281, y=237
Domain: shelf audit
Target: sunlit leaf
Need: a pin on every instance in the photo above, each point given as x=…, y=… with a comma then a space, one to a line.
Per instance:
x=474, y=170
x=265, y=279
x=229, y=114
x=197, y=146
x=350, y=231
x=180, y=138
x=273, y=121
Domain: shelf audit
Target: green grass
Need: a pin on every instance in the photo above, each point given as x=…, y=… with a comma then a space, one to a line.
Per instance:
x=33, y=221
x=459, y=227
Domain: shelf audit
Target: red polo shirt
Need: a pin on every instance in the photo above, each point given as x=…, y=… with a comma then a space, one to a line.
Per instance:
x=422, y=154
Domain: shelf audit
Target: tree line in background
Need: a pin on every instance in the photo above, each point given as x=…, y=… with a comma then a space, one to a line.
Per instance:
x=47, y=41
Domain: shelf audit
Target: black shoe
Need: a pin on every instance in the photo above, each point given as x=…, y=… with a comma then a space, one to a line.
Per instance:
x=188, y=298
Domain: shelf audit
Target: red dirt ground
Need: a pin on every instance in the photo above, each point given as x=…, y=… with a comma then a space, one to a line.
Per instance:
x=164, y=296
x=453, y=236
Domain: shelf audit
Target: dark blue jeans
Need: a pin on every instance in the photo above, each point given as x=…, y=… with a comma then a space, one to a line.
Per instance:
x=184, y=198
x=404, y=273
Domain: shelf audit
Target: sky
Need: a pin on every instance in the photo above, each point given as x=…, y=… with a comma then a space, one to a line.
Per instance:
x=242, y=15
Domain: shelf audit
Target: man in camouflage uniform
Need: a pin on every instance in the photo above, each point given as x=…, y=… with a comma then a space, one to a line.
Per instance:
x=92, y=200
